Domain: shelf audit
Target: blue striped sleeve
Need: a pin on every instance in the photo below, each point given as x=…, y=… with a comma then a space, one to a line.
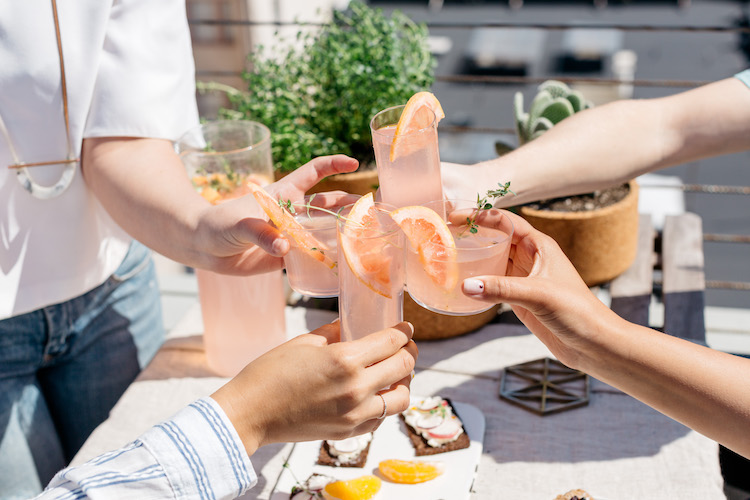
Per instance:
x=201, y=453
x=197, y=454
x=744, y=77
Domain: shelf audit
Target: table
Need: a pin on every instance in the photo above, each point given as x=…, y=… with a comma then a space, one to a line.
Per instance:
x=615, y=447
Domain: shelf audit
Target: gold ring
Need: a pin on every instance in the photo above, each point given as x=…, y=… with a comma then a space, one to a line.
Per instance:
x=385, y=408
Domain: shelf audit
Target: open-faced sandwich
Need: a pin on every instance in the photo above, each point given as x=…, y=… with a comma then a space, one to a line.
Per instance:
x=434, y=427
x=349, y=452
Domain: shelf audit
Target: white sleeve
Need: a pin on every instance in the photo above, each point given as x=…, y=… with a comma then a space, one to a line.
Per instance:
x=145, y=83
x=197, y=454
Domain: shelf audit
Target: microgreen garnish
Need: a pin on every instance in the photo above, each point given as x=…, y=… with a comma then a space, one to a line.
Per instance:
x=486, y=203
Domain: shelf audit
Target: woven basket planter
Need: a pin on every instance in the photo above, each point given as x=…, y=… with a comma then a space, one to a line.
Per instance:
x=600, y=243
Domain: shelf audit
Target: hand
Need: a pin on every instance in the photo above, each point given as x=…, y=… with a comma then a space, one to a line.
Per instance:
x=545, y=291
x=241, y=244
x=315, y=387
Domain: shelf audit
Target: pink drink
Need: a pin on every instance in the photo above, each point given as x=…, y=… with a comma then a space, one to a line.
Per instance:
x=362, y=309
x=243, y=317
x=411, y=179
x=306, y=274
x=482, y=253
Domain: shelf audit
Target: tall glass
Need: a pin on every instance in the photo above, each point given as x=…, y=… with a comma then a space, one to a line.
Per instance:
x=434, y=278
x=413, y=178
x=243, y=316
x=371, y=274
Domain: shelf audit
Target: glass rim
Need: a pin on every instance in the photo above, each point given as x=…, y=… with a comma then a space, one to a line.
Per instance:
x=422, y=130
x=387, y=208
x=303, y=208
x=473, y=206
x=265, y=138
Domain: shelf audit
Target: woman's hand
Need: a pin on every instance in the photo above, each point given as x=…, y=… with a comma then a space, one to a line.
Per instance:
x=545, y=291
x=315, y=387
x=239, y=241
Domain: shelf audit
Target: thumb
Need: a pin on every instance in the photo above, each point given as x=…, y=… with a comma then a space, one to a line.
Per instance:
x=259, y=232
x=514, y=290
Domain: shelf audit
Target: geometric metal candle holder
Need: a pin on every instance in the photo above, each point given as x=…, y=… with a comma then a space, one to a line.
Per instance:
x=545, y=386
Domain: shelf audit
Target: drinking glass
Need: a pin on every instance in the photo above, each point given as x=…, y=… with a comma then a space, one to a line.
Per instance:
x=243, y=316
x=479, y=250
x=305, y=271
x=371, y=273
x=414, y=177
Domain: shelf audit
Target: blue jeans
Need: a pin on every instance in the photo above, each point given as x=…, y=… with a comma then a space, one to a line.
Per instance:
x=63, y=367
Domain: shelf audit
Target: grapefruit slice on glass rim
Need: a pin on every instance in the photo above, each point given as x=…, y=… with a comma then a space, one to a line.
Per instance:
x=363, y=251
x=285, y=222
x=428, y=233
x=420, y=111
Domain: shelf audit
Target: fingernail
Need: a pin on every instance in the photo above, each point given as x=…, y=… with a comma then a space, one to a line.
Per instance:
x=413, y=374
x=473, y=286
x=335, y=320
x=280, y=246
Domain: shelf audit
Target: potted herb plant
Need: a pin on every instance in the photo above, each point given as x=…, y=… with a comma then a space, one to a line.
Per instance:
x=318, y=96
x=597, y=231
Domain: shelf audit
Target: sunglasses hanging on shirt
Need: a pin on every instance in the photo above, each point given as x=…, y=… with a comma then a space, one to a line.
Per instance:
x=23, y=174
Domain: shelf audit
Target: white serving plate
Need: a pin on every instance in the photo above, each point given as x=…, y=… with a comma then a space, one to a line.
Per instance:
x=391, y=441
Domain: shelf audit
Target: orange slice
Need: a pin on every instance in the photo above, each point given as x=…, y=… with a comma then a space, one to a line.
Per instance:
x=365, y=254
x=361, y=488
x=290, y=227
x=429, y=235
x=414, y=117
x=410, y=471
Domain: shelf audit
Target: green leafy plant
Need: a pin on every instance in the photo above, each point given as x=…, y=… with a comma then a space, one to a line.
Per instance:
x=318, y=97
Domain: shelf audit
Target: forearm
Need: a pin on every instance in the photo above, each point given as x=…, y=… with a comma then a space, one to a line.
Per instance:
x=143, y=185
x=618, y=141
x=704, y=389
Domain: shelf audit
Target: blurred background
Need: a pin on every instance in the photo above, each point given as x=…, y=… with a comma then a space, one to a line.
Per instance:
x=488, y=50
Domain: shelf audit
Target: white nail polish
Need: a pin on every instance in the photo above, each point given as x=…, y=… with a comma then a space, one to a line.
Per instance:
x=473, y=286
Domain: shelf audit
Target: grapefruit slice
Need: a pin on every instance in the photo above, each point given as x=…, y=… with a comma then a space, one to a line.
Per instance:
x=361, y=488
x=285, y=222
x=365, y=254
x=410, y=471
x=430, y=236
x=414, y=117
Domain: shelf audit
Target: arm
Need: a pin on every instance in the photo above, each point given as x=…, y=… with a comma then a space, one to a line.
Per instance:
x=614, y=143
x=704, y=389
x=143, y=185
x=312, y=387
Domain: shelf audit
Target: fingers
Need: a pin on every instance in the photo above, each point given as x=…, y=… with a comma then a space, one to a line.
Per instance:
x=525, y=292
x=318, y=168
x=252, y=231
x=330, y=333
x=380, y=345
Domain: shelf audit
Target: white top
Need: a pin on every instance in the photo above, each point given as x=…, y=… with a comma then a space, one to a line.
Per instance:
x=195, y=454
x=130, y=72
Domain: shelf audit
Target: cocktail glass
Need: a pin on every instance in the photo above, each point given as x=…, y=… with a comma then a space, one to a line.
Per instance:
x=479, y=250
x=413, y=177
x=305, y=271
x=243, y=316
x=371, y=272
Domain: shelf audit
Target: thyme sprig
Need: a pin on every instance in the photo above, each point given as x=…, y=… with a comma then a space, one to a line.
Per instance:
x=487, y=202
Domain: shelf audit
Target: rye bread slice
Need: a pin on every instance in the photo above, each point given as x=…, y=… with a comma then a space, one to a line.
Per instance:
x=421, y=448
x=325, y=457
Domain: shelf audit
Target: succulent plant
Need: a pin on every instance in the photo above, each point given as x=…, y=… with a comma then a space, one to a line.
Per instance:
x=553, y=102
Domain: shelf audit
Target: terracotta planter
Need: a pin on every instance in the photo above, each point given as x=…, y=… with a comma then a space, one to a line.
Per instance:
x=601, y=243
x=429, y=325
